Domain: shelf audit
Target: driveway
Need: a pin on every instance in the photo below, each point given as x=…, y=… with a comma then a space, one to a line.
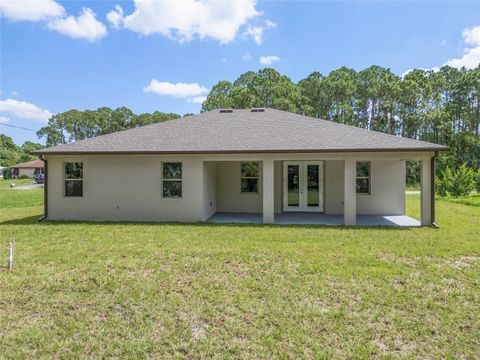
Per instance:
x=28, y=187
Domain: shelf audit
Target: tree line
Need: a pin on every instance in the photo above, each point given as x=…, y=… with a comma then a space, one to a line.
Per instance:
x=74, y=125
x=438, y=106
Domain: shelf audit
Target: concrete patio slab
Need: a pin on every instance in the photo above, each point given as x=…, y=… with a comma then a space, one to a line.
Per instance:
x=294, y=218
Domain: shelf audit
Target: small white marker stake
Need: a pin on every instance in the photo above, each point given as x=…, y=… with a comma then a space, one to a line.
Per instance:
x=10, y=257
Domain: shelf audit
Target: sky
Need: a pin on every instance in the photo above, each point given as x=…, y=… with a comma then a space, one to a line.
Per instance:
x=152, y=55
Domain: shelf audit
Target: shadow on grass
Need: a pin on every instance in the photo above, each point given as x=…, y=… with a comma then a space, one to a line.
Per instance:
x=35, y=220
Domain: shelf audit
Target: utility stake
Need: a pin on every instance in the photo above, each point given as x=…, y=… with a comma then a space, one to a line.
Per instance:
x=10, y=257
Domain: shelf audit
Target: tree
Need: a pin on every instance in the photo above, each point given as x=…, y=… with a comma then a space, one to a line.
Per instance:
x=11, y=154
x=74, y=125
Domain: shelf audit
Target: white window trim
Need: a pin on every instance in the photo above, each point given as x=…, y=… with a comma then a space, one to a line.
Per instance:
x=250, y=177
x=369, y=177
x=162, y=180
x=65, y=179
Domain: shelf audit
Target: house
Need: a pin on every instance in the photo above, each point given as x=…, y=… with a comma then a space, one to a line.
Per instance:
x=251, y=165
x=28, y=169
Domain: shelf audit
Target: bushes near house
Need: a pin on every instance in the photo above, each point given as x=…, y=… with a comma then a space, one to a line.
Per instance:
x=455, y=183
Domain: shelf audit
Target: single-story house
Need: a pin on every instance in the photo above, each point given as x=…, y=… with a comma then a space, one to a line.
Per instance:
x=249, y=165
x=28, y=169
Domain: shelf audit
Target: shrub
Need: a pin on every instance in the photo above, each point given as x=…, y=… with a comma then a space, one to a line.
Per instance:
x=7, y=173
x=456, y=183
x=23, y=177
x=477, y=181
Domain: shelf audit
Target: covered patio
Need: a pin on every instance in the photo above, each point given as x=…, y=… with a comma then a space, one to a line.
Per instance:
x=314, y=189
x=300, y=218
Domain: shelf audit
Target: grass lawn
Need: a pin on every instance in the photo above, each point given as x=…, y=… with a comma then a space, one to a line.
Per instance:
x=472, y=199
x=243, y=291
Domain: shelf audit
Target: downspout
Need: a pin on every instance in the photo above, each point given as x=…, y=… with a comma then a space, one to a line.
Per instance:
x=45, y=189
x=432, y=192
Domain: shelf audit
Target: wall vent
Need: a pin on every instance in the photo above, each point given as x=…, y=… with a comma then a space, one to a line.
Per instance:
x=223, y=111
x=257, y=110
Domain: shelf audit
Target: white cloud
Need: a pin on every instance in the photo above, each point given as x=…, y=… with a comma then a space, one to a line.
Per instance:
x=85, y=26
x=4, y=119
x=246, y=56
x=31, y=10
x=256, y=32
x=471, y=56
x=270, y=24
x=269, y=59
x=24, y=110
x=179, y=89
x=443, y=42
x=471, y=35
x=184, y=20
x=198, y=99
x=115, y=16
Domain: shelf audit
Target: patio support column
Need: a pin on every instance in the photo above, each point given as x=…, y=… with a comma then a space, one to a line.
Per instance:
x=350, y=193
x=426, y=192
x=268, y=192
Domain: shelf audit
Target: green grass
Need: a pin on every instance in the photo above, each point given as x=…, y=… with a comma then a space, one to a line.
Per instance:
x=244, y=291
x=472, y=199
x=413, y=187
x=14, y=198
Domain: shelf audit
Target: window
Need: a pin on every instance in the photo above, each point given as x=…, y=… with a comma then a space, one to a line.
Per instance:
x=249, y=177
x=73, y=178
x=363, y=177
x=172, y=180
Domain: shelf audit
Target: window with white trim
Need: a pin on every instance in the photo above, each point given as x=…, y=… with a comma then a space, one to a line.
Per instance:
x=249, y=177
x=172, y=179
x=363, y=179
x=73, y=179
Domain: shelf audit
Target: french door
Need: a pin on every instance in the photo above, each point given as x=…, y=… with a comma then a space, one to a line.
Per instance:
x=303, y=186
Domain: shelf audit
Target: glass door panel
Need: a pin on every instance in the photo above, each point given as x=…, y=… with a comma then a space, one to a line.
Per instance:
x=313, y=185
x=293, y=185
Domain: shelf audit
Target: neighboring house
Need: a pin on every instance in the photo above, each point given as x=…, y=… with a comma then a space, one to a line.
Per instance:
x=29, y=168
x=258, y=165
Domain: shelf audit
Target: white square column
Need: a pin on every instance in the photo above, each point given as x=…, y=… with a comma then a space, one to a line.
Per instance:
x=350, y=193
x=426, y=192
x=268, y=192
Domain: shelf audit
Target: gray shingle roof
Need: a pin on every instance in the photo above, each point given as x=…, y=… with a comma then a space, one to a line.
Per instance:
x=243, y=131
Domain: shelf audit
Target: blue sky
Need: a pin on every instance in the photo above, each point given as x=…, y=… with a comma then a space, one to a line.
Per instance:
x=152, y=55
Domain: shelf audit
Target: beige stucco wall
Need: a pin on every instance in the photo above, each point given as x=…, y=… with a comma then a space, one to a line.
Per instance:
x=209, y=189
x=387, y=188
x=117, y=188
x=334, y=178
x=231, y=199
x=25, y=172
x=229, y=196
x=128, y=187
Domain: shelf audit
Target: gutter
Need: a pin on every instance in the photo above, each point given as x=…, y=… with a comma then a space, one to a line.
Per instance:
x=45, y=189
x=201, y=152
x=432, y=192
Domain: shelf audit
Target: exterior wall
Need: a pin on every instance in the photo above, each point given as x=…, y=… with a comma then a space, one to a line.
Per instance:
x=125, y=188
x=278, y=196
x=387, y=195
x=334, y=179
x=229, y=196
x=25, y=172
x=128, y=187
x=387, y=189
x=209, y=189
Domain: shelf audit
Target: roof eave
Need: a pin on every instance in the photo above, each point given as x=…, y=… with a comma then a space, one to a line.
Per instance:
x=152, y=152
